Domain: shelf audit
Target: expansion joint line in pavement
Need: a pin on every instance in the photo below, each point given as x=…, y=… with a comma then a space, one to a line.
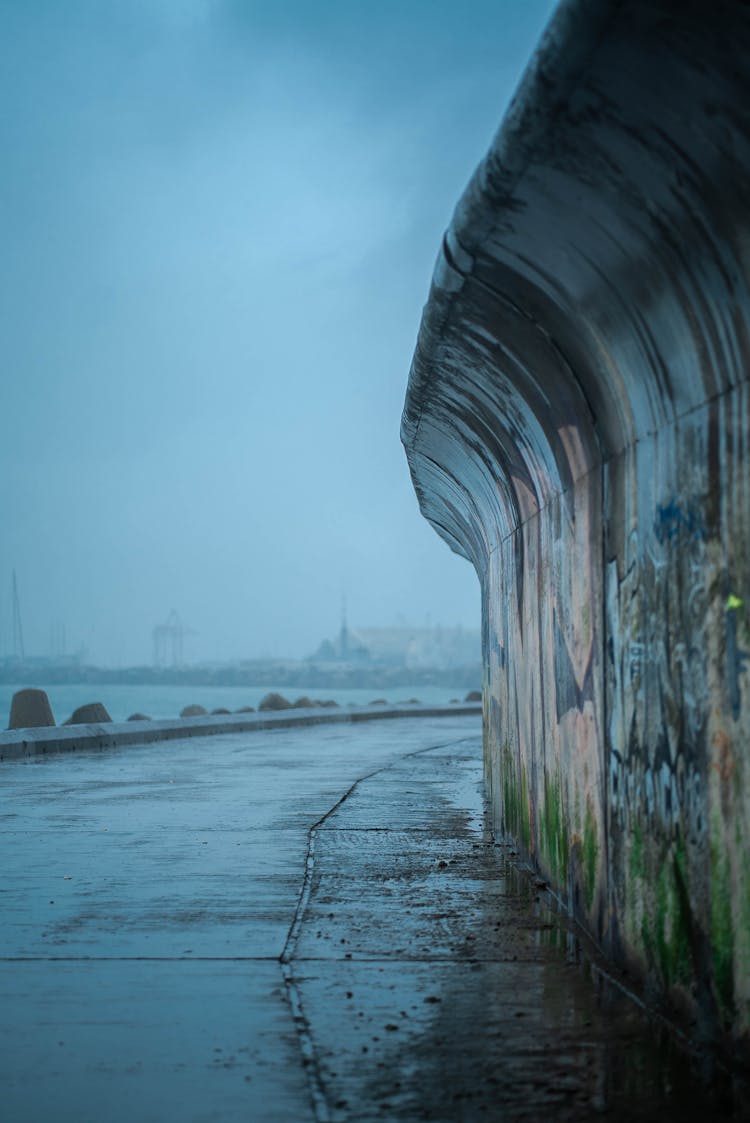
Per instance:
x=321, y=1109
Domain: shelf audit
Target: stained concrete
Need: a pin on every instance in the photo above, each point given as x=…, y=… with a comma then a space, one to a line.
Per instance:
x=577, y=426
x=30, y=709
x=307, y=924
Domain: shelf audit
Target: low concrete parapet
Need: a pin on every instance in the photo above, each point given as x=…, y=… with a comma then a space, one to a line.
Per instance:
x=16, y=744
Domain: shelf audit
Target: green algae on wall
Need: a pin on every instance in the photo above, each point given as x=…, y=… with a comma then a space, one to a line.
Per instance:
x=559, y=833
x=672, y=919
x=722, y=928
x=516, y=804
x=590, y=856
x=742, y=948
x=658, y=918
x=554, y=829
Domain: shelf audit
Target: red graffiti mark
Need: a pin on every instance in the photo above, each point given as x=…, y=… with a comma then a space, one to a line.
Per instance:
x=724, y=763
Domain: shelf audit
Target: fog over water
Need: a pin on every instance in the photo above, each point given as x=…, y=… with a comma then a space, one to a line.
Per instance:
x=219, y=221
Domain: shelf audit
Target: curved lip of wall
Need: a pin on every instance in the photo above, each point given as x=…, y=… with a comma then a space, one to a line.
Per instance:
x=554, y=71
x=640, y=285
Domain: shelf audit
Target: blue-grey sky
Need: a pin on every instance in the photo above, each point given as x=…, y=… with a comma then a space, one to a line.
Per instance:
x=218, y=222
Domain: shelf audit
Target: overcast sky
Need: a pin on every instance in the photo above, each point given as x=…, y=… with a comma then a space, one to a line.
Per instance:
x=218, y=223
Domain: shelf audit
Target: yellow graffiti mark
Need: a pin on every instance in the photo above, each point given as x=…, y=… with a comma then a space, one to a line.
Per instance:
x=734, y=602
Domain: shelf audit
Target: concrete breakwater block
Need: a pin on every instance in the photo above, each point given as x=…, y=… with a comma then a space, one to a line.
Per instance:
x=193, y=711
x=139, y=717
x=274, y=701
x=92, y=713
x=30, y=709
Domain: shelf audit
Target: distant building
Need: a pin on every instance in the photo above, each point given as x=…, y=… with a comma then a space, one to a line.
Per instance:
x=438, y=647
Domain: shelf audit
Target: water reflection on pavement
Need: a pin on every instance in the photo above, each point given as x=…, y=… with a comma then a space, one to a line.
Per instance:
x=305, y=925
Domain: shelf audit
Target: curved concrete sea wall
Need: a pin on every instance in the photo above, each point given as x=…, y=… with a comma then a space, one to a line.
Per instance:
x=577, y=424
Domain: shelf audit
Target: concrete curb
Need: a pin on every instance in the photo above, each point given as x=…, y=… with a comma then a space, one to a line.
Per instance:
x=17, y=744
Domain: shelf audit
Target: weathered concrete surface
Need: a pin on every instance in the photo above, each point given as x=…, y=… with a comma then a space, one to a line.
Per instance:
x=577, y=425
x=147, y=895
x=92, y=713
x=30, y=708
x=310, y=924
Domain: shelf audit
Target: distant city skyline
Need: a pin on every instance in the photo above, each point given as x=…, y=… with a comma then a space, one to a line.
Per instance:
x=171, y=638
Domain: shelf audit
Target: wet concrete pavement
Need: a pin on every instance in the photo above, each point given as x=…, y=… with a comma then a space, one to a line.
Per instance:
x=310, y=924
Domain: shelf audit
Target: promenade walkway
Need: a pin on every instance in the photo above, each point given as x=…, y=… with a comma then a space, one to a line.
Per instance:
x=298, y=925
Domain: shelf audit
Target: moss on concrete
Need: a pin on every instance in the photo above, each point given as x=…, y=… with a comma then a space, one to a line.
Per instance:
x=516, y=797
x=511, y=795
x=658, y=907
x=554, y=828
x=672, y=920
x=556, y=836
x=722, y=927
x=635, y=857
x=525, y=810
x=590, y=855
x=743, y=896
